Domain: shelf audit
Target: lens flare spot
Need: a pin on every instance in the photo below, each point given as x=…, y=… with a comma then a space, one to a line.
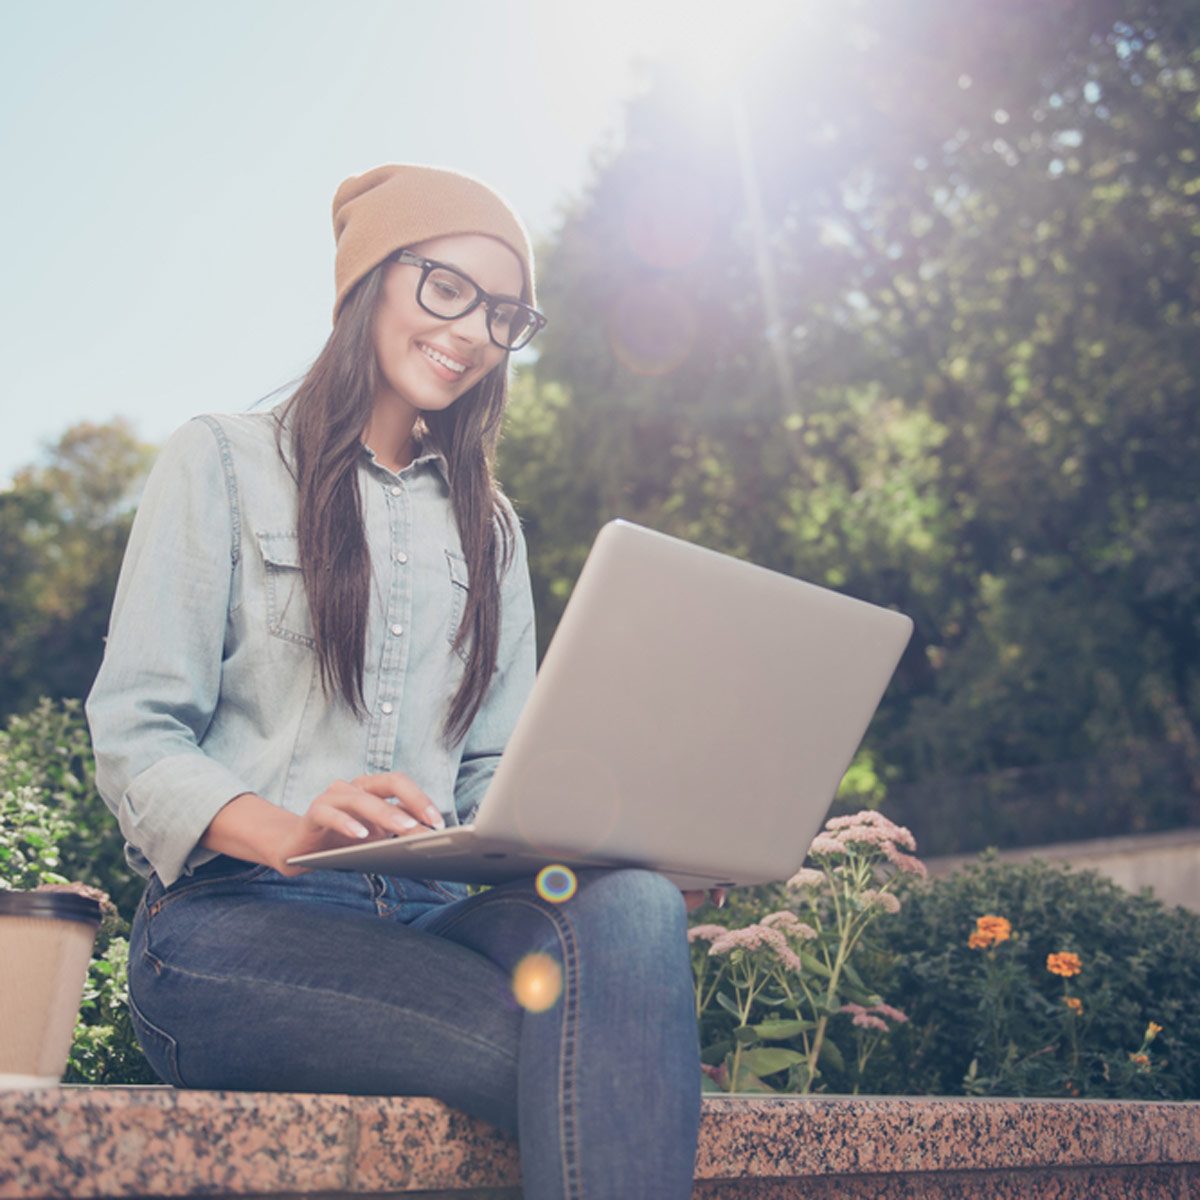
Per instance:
x=537, y=982
x=652, y=327
x=669, y=218
x=556, y=883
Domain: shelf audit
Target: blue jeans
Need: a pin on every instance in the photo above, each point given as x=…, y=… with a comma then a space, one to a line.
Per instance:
x=332, y=981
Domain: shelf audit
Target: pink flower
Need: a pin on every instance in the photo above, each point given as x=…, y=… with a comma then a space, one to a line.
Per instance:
x=872, y=1018
x=905, y=862
x=859, y=822
x=790, y=924
x=806, y=877
x=825, y=843
x=885, y=900
x=705, y=933
x=867, y=831
x=863, y=1019
x=752, y=938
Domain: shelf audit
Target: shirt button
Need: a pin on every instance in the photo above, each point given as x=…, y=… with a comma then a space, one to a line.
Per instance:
x=397, y=630
x=401, y=557
x=386, y=708
x=396, y=489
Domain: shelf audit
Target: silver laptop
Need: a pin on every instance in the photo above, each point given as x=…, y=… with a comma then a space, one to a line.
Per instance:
x=693, y=714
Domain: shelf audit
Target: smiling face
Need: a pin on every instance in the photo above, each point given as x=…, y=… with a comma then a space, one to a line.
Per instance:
x=426, y=363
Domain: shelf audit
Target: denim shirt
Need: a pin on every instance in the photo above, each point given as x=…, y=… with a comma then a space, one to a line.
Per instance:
x=210, y=684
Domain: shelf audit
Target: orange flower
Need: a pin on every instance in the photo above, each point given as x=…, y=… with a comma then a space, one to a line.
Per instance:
x=1142, y=1060
x=989, y=931
x=1074, y=1004
x=1065, y=964
x=1152, y=1031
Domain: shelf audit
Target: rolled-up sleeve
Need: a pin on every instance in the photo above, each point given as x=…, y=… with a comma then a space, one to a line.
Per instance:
x=160, y=680
x=516, y=666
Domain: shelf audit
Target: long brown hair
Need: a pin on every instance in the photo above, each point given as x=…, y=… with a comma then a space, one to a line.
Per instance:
x=327, y=414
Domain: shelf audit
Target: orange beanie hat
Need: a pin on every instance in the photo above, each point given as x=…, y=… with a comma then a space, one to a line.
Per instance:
x=391, y=207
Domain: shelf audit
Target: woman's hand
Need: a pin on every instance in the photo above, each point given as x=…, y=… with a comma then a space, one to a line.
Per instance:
x=693, y=900
x=368, y=808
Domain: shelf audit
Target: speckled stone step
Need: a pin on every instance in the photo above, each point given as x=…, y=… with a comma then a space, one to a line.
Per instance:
x=158, y=1142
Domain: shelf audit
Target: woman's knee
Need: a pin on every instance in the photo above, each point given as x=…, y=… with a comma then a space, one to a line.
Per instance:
x=647, y=902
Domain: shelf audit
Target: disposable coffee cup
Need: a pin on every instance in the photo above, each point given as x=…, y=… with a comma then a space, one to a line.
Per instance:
x=46, y=941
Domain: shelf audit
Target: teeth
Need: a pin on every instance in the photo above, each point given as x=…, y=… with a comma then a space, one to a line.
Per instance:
x=429, y=352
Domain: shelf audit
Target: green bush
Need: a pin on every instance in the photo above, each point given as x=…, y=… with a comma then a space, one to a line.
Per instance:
x=56, y=831
x=995, y=1021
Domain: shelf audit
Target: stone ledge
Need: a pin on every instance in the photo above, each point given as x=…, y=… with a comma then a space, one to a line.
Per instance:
x=160, y=1142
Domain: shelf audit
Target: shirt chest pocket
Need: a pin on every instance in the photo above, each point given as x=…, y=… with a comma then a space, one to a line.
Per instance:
x=288, y=615
x=457, y=567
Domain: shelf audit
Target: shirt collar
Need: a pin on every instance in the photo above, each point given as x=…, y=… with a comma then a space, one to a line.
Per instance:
x=423, y=457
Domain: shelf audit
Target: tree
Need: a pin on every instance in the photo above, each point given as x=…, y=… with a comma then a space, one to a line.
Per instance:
x=63, y=527
x=918, y=321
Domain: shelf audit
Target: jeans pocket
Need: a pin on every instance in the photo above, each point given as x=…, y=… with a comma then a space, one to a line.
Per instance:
x=220, y=872
x=446, y=890
x=159, y=1047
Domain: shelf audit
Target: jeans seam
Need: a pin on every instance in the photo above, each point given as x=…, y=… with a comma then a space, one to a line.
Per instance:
x=439, y=1026
x=169, y=1047
x=567, y=1122
x=567, y=1072
x=436, y=886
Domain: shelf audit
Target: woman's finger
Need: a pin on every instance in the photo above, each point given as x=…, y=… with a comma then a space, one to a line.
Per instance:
x=354, y=814
x=330, y=816
x=389, y=817
x=398, y=786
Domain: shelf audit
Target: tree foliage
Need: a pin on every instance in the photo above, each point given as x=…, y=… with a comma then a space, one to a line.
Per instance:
x=63, y=527
x=914, y=316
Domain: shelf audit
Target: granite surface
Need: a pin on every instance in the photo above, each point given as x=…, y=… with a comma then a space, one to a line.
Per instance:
x=155, y=1141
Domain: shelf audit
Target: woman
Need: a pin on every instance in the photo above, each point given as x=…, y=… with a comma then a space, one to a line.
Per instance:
x=323, y=632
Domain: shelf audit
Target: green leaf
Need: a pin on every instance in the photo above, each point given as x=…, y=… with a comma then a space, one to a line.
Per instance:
x=852, y=975
x=744, y=1035
x=814, y=964
x=768, y=1059
x=778, y=1031
x=858, y=996
x=729, y=1005
x=832, y=1055
x=708, y=1084
x=747, y=1081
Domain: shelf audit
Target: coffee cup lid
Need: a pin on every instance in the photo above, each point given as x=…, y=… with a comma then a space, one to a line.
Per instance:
x=63, y=906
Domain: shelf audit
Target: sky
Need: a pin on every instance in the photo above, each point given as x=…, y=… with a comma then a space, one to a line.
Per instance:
x=169, y=169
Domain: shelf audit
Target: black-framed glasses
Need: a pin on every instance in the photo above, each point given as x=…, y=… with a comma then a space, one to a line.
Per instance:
x=445, y=292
